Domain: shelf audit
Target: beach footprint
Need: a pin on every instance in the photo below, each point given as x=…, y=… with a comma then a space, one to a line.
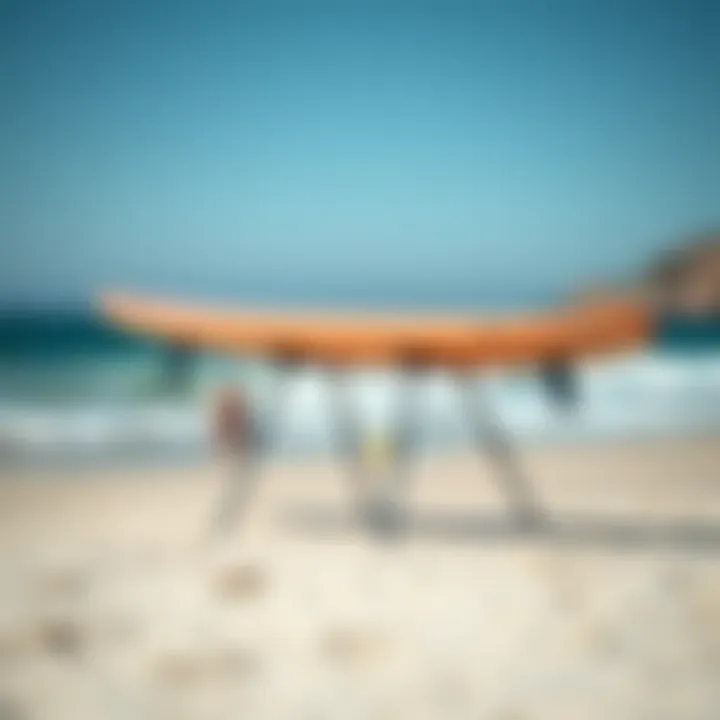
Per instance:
x=348, y=646
x=62, y=637
x=239, y=582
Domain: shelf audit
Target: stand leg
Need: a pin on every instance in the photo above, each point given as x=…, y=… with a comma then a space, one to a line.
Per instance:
x=488, y=435
x=238, y=489
x=346, y=431
x=235, y=496
x=390, y=511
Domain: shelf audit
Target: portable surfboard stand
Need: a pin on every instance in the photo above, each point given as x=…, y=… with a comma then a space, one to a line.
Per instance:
x=387, y=512
x=549, y=342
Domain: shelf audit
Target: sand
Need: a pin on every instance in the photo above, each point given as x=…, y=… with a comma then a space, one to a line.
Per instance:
x=115, y=602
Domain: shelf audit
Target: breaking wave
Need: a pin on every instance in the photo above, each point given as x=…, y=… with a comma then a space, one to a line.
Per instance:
x=651, y=394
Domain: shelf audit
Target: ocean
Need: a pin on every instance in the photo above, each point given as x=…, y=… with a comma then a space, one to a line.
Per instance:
x=74, y=390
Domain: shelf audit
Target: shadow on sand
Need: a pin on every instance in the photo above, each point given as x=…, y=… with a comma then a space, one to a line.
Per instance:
x=582, y=530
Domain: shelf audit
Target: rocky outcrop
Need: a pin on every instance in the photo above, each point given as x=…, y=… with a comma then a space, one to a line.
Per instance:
x=687, y=279
x=684, y=281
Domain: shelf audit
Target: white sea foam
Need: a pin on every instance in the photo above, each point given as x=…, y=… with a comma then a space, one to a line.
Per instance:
x=649, y=394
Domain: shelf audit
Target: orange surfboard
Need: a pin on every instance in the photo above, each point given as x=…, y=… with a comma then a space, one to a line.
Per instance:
x=451, y=341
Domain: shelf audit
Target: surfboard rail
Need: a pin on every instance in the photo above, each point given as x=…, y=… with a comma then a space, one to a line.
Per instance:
x=344, y=338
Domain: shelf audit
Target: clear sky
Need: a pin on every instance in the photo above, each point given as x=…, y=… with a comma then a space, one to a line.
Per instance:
x=451, y=149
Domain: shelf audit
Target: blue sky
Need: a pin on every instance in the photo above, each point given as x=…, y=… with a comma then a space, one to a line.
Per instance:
x=299, y=148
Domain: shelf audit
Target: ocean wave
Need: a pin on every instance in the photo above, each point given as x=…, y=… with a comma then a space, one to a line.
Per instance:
x=649, y=394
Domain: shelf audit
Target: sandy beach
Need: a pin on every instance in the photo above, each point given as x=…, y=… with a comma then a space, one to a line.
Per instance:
x=116, y=603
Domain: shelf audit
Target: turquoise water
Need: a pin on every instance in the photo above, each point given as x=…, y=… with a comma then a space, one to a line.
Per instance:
x=70, y=386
